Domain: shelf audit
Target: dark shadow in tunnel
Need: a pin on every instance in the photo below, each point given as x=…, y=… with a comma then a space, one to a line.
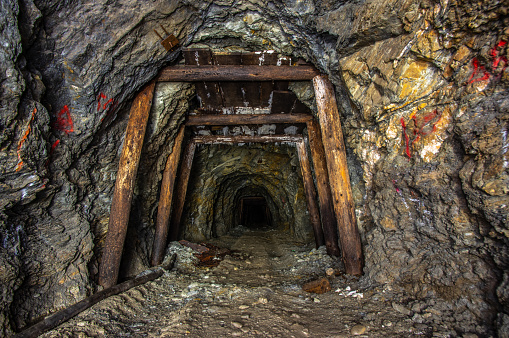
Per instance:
x=254, y=212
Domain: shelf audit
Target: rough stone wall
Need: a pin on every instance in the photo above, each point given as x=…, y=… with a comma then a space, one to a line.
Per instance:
x=221, y=175
x=422, y=88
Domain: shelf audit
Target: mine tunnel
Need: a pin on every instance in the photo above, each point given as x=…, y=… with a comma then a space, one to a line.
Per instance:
x=314, y=168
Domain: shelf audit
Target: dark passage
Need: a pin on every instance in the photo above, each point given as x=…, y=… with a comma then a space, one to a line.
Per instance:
x=255, y=213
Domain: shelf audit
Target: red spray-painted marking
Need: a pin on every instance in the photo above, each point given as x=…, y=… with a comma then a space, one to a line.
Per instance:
x=496, y=61
x=64, y=121
x=418, y=131
x=108, y=106
x=23, y=139
x=103, y=96
x=53, y=146
x=477, y=69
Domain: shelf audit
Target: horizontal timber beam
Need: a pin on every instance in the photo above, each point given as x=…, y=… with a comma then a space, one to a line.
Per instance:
x=217, y=139
x=241, y=119
x=236, y=73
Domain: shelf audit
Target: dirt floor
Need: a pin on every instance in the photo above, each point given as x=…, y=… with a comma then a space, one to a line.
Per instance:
x=256, y=291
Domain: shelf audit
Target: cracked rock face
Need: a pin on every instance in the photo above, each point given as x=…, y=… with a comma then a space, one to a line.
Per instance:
x=422, y=91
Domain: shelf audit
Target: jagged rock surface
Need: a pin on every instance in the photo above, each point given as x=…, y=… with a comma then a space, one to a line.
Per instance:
x=431, y=189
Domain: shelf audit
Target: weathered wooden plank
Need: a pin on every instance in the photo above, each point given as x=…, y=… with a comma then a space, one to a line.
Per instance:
x=332, y=136
x=217, y=139
x=181, y=190
x=165, y=200
x=236, y=73
x=122, y=196
x=232, y=93
x=329, y=224
x=209, y=93
x=245, y=119
x=309, y=188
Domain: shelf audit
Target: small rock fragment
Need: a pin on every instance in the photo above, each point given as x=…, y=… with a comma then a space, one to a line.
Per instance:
x=237, y=325
x=262, y=300
x=329, y=271
x=358, y=329
x=243, y=307
x=402, y=309
x=317, y=286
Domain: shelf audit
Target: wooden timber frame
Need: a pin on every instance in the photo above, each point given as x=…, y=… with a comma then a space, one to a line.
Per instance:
x=327, y=150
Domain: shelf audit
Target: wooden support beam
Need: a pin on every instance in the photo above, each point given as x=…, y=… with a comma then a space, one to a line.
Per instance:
x=217, y=139
x=122, y=196
x=310, y=192
x=165, y=200
x=338, y=174
x=245, y=119
x=236, y=73
x=329, y=224
x=181, y=190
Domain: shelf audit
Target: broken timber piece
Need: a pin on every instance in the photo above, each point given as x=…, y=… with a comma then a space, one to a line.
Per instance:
x=169, y=42
x=309, y=189
x=181, y=190
x=64, y=315
x=165, y=200
x=122, y=196
x=338, y=174
x=329, y=224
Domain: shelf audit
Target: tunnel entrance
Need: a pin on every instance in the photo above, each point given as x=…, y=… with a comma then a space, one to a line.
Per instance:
x=255, y=213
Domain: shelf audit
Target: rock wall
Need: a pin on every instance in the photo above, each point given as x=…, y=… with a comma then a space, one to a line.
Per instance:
x=422, y=89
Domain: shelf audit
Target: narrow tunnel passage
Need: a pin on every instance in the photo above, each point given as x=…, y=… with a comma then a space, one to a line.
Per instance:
x=254, y=212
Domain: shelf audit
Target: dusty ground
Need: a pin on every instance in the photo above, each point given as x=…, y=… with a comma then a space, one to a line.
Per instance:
x=258, y=293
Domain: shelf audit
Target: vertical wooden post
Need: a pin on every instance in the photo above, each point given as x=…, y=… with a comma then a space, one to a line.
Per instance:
x=126, y=176
x=329, y=224
x=338, y=174
x=165, y=199
x=185, y=171
x=310, y=192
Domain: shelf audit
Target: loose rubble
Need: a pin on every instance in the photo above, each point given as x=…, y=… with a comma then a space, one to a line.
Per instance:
x=258, y=291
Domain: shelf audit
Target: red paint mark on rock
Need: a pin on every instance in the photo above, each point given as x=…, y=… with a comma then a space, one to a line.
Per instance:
x=420, y=126
x=23, y=139
x=64, y=121
x=478, y=68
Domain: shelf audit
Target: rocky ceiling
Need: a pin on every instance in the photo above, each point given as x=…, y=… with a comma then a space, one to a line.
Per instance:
x=422, y=91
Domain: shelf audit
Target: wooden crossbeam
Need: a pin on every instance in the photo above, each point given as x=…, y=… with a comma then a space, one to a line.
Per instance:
x=245, y=119
x=236, y=73
x=217, y=139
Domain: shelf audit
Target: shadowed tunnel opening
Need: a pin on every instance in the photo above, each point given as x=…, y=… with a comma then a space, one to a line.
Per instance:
x=256, y=186
x=254, y=212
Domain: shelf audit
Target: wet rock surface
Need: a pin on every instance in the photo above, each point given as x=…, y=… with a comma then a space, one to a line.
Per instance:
x=422, y=89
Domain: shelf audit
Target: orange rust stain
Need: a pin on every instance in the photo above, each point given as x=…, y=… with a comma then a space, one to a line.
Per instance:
x=23, y=139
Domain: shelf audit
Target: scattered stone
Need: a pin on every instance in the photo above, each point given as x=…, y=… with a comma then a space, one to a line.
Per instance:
x=402, y=309
x=243, y=307
x=329, y=271
x=316, y=300
x=358, y=329
x=262, y=300
x=295, y=315
x=317, y=286
x=237, y=325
